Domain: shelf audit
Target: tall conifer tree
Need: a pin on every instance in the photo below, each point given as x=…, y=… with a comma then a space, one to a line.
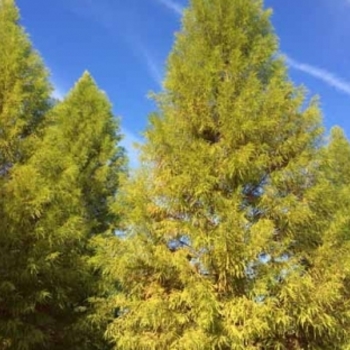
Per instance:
x=334, y=213
x=226, y=248
x=24, y=87
x=24, y=101
x=60, y=200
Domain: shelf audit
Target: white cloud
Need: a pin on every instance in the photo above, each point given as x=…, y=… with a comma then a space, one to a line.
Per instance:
x=327, y=77
x=172, y=5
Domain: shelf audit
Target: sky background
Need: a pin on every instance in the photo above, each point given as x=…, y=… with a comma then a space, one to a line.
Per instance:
x=125, y=44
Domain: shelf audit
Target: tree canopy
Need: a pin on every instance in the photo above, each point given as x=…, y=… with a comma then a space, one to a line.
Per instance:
x=232, y=234
x=228, y=246
x=54, y=200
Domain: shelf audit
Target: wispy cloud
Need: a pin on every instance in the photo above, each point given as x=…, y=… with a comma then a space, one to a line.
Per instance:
x=106, y=16
x=324, y=75
x=153, y=67
x=100, y=12
x=172, y=5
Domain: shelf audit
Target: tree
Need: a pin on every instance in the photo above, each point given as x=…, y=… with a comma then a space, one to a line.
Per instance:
x=334, y=212
x=24, y=88
x=60, y=201
x=24, y=101
x=225, y=243
x=336, y=160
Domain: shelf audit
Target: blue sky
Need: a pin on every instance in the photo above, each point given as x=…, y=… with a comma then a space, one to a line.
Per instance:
x=124, y=44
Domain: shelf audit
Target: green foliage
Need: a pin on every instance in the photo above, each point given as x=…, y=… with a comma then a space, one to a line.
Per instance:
x=24, y=100
x=24, y=88
x=230, y=241
x=233, y=234
x=85, y=128
x=57, y=202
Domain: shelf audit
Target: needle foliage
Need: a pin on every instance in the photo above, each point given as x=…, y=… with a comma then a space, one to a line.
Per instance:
x=233, y=227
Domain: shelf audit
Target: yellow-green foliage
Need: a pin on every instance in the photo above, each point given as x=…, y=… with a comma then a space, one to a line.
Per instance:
x=234, y=237
x=55, y=203
x=24, y=99
x=24, y=88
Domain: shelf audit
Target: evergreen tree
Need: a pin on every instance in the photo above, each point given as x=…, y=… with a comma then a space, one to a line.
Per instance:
x=335, y=195
x=60, y=200
x=227, y=247
x=24, y=88
x=24, y=100
x=336, y=160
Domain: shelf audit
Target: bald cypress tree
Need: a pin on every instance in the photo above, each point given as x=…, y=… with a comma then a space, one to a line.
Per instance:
x=24, y=101
x=335, y=194
x=227, y=244
x=24, y=88
x=60, y=200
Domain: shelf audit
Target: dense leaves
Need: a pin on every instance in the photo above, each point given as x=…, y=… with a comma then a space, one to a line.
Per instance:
x=24, y=100
x=54, y=201
x=229, y=246
x=232, y=234
x=24, y=89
